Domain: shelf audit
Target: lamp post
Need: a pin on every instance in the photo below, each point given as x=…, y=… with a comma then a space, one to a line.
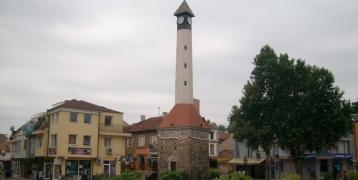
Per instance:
x=276, y=159
x=245, y=164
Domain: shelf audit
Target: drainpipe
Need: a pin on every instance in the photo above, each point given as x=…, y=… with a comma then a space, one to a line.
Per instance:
x=99, y=120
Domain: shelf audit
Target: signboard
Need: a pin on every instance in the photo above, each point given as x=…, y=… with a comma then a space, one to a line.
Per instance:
x=343, y=156
x=309, y=156
x=80, y=151
x=56, y=161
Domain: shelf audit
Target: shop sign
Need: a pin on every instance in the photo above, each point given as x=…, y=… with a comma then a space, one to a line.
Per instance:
x=80, y=151
x=309, y=156
x=56, y=161
x=343, y=156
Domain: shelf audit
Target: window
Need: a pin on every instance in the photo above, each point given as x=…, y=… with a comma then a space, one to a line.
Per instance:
x=108, y=120
x=51, y=119
x=88, y=118
x=25, y=145
x=72, y=139
x=212, y=146
x=53, y=140
x=323, y=165
x=87, y=140
x=130, y=142
x=185, y=65
x=154, y=140
x=107, y=141
x=343, y=146
x=73, y=116
x=173, y=166
x=211, y=136
x=55, y=115
x=39, y=142
x=185, y=83
x=185, y=47
x=141, y=141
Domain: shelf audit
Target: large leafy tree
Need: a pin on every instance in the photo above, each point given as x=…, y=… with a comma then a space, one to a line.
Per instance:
x=293, y=104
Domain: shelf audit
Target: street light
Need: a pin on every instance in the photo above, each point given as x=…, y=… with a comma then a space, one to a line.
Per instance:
x=245, y=164
x=276, y=159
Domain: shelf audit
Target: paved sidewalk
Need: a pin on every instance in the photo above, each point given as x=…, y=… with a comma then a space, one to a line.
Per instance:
x=17, y=178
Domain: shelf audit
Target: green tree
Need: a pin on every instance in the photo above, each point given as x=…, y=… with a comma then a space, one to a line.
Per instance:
x=290, y=103
x=211, y=174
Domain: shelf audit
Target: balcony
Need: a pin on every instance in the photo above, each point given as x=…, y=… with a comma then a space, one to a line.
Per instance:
x=112, y=130
x=52, y=151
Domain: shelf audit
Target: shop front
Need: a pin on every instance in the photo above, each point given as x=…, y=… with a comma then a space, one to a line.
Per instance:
x=79, y=169
x=252, y=166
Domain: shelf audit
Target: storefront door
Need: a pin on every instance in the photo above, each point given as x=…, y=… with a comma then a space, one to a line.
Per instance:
x=109, y=168
x=48, y=170
x=78, y=169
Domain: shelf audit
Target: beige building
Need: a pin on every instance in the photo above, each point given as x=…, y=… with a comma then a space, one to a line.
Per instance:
x=85, y=139
x=74, y=139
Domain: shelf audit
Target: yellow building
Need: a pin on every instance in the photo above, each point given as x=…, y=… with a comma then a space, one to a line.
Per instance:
x=84, y=139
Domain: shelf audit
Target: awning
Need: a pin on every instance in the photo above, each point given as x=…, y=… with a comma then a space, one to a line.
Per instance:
x=39, y=132
x=250, y=161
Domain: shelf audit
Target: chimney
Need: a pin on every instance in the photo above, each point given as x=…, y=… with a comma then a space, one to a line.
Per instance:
x=142, y=117
x=197, y=104
x=164, y=114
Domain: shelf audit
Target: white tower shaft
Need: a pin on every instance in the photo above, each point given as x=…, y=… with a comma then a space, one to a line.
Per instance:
x=184, y=68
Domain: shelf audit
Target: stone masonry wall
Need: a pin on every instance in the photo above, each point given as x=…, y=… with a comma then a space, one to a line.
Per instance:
x=187, y=147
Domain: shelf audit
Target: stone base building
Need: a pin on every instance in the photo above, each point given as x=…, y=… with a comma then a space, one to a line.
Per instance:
x=183, y=141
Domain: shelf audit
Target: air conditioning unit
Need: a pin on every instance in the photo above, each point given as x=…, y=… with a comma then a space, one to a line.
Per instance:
x=109, y=150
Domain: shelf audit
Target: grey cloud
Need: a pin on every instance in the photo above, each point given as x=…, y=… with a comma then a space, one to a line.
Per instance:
x=121, y=54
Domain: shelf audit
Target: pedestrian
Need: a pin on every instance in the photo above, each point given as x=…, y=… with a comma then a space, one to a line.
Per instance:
x=340, y=176
x=345, y=175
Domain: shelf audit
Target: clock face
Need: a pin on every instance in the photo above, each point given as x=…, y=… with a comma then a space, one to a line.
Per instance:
x=189, y=20
x=180, y=20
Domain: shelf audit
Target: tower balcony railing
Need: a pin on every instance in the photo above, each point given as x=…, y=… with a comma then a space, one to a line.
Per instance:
x=113, y=128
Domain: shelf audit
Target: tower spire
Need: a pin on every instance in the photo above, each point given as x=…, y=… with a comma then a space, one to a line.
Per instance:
x=184, y=8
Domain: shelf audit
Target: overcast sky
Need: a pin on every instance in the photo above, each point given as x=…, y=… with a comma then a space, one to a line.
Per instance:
x=121, y=54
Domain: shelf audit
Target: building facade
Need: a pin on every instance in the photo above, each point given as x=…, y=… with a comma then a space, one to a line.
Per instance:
x=74, y=139
x=314, y=165
x=142, y=146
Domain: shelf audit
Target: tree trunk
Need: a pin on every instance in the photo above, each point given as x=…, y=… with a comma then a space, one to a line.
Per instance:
x=268, y=166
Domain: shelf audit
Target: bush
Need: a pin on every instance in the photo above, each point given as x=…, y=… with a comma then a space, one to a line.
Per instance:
x=328, y=175
x=352, y=175
x=131, y=175
x=99, y=177
x=291, y=176
x=211, y=174
x=236, y=176
x=174, y=175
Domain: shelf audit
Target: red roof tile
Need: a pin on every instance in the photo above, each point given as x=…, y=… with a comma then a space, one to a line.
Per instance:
x=146, y=125
x=79, y=104
x=184, y=115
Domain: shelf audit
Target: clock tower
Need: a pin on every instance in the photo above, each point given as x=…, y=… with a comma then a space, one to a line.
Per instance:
x=184, y=65
x=183, y=134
